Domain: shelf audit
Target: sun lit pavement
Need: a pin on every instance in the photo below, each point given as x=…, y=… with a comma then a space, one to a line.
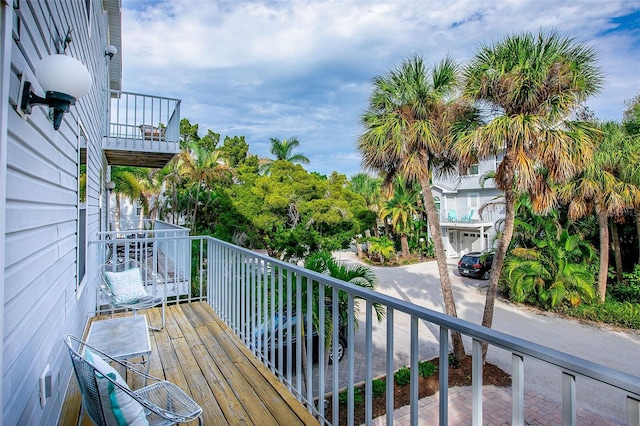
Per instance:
x=420, y=284
x=496, y=410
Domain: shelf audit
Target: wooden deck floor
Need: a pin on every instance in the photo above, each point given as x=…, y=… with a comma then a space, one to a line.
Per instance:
x=199, y=353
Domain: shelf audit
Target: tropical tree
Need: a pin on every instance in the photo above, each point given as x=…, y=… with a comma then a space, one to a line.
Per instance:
x=402, y=207
x=359, y=275
x=600, y=189
x=546, y=263
x=128, y=184
x=530, y=84
x=283, y=150
x=381, y=247
x=369, y=188
x=408, y=133
x=200, y=168
x=631, y=125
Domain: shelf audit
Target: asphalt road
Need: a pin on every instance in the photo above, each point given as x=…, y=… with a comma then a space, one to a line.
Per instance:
x=420, y=284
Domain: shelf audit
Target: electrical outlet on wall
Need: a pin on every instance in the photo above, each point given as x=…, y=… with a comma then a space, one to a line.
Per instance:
x=45, y=385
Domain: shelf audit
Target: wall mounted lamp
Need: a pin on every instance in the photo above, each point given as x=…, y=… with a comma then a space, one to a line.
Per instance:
x=110, y=51
x=63, y=79
x=111, y=185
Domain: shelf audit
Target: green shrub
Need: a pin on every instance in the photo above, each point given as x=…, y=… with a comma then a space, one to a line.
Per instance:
x=378, y=387
x=454, y=362
x=357, y=396
x=629, y=289
x=623, y=314
x=403, y=376
x=426, y=369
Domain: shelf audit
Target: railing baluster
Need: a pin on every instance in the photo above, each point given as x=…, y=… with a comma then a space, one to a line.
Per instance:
x=568, y=399
x=476, y=382
x=368, y=363
x=335, y=318
x=321, y=346
x=444, y=376
x=633, y=411
x=350, y=353
x=308, y=328
x=298, y=332
x=517, y=390
x=414, y=371
x=390, y=359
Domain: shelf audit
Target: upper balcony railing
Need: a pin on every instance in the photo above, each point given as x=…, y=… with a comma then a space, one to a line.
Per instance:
x=141, y=124
x=469, y=217
x=271, y=305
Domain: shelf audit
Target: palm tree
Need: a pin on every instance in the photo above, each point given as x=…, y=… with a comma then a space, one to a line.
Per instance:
x=530, y=84
x=402, y=207
x=201, y=167
x=408, y=133
x=631, y=124
x=360, y=275
x=600, y=189
x=283, y=150
x=127, y=184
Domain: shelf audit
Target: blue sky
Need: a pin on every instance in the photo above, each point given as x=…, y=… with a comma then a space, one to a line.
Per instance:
x=303, y=68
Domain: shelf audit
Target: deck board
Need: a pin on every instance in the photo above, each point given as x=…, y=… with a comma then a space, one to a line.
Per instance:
x=199, y=353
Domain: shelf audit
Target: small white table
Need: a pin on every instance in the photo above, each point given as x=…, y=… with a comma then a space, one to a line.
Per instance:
x=122, y=338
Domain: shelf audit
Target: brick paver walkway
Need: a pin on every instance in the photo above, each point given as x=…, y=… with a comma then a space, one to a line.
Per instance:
x=496, y=404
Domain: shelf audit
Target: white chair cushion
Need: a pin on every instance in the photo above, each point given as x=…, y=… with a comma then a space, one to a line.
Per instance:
x=119, y=407
x=127, y=285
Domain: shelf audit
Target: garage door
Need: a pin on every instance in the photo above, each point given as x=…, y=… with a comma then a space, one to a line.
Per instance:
x=469, y=241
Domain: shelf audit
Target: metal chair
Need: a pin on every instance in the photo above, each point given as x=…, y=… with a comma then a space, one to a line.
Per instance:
x=117, y=300
x=163, y=402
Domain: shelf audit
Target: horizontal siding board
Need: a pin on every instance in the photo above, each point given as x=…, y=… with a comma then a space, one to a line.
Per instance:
x=22, y=216
x=28, y=188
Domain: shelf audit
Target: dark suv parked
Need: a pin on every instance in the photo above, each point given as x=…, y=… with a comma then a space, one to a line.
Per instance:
x=476, y=265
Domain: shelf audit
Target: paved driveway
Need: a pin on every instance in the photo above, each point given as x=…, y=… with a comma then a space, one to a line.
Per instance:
x=420, y=284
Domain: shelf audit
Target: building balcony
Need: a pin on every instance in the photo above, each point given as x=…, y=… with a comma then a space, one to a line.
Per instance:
x=143, y=130
x=465, y=218
x=238, y=297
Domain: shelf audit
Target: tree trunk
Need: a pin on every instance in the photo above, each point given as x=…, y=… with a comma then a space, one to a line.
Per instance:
x=498, y=262
x=441, y=259
x=617, y=254
x=604, y=254
x=404, y=243
x=117, y=212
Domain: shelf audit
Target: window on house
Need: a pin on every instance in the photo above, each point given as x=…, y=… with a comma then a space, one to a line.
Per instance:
x=437, y=202
x=471, y=171
x=82, y=209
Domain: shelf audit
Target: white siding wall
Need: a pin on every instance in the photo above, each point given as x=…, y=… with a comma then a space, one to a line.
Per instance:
x=41, y=303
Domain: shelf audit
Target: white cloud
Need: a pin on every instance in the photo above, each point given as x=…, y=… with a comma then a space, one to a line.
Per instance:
x=276, y=69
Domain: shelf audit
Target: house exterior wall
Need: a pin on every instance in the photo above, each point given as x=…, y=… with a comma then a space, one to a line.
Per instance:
x=461, y=197
x=43, y=299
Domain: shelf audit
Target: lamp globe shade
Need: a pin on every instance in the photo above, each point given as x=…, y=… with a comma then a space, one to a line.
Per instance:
x=63, y=74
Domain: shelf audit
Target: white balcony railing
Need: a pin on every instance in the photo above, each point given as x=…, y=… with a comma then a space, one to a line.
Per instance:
x=141, y=122
x=465, y=217
x=254, y=293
